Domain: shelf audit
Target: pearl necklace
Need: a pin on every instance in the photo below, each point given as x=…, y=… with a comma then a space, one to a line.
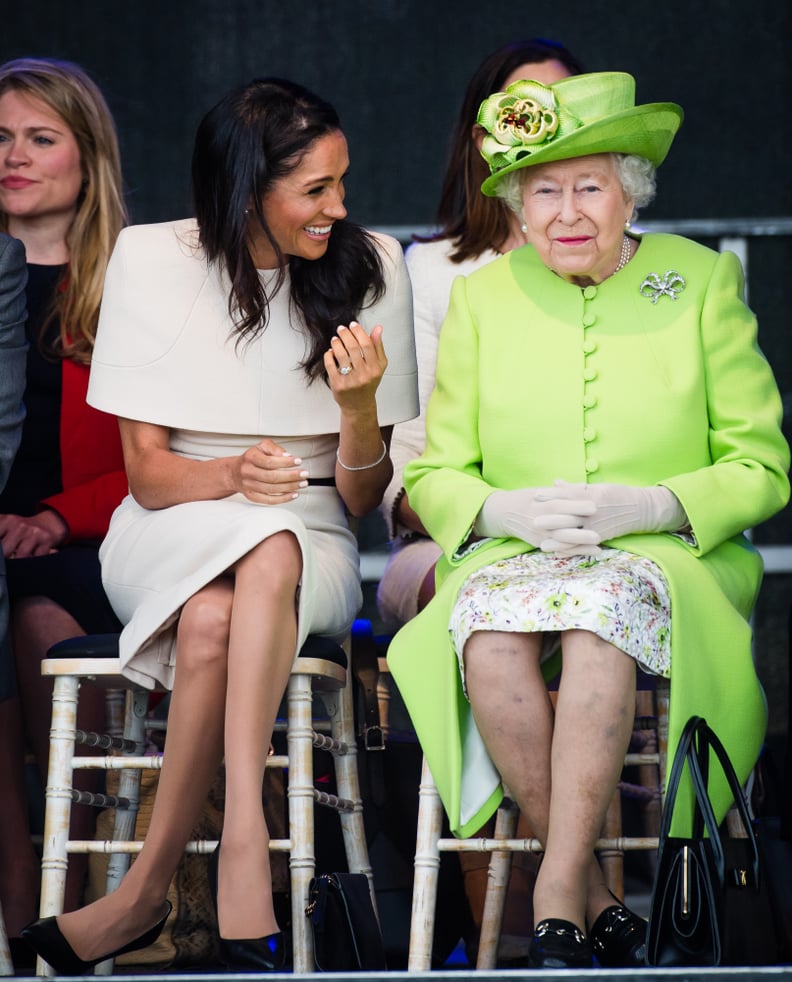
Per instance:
x=625, y=256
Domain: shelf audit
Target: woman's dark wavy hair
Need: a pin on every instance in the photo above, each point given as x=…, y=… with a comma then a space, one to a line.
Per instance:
x=464, y=214
x=253, y=137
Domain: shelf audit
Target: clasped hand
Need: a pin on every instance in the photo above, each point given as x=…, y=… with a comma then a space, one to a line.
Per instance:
x=542, y=519
x=573, y=519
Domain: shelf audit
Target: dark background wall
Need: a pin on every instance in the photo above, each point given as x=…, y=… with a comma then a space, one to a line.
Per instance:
x=396, y=69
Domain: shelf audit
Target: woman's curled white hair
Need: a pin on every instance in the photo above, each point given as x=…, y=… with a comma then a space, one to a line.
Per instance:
x=636, y=176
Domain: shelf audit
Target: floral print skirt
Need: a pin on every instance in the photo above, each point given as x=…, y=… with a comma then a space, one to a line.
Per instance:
x=620, y=597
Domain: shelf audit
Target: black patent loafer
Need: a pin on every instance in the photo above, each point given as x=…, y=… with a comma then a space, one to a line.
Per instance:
x=618, y=937
x=559, y=944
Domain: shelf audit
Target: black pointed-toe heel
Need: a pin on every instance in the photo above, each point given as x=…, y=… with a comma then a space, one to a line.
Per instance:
x=559, y=944
x=618, y=937
x=45, y=938
x=266, y=954
x=254, y=955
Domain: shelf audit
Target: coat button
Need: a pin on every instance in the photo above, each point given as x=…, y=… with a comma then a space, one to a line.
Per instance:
x=589, y=401
x=589, y=374
x=589, y=434
x=589, y=319
x=590, y=292
x=589, y=346
x=592, y=466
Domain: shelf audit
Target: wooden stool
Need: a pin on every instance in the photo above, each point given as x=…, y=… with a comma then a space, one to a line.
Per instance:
x=321, y=668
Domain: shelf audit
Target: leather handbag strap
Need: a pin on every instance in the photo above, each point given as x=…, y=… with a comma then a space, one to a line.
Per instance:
x=365, y=668
x=694, y=751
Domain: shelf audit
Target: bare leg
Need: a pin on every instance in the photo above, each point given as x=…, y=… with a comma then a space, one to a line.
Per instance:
x=193, y=754
x=594, y=720
x=260, y=657
x=19, y=864
x=36, y=624
x=578, y=758
x=235, y=649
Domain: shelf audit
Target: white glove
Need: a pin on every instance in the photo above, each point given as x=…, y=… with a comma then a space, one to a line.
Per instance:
x=536, y=515
x=622, y=509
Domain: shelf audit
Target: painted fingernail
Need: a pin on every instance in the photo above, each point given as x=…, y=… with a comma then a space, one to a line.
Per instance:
x=303, y=473
x=303, y=484
x=342, y=327
x=297, y=460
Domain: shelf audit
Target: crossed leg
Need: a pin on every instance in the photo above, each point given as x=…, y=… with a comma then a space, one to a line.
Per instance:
x=235, y=648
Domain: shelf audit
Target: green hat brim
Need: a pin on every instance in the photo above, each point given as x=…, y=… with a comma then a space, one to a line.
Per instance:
x=646, y=131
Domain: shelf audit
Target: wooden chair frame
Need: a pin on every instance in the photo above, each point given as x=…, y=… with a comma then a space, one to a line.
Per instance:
x=310, y=675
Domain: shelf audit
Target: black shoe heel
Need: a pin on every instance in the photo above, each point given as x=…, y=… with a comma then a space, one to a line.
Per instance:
x=266, y=954
x=254, y=955
x=46, y=939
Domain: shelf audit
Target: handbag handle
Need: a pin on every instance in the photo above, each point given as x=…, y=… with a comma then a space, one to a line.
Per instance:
x=693, y=749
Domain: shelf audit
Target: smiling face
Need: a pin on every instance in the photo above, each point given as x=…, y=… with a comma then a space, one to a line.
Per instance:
x=40, y=171
x=575, y=212
x=301, y=207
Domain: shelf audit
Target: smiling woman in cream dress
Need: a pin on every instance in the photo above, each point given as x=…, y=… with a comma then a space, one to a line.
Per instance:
x=245, y=354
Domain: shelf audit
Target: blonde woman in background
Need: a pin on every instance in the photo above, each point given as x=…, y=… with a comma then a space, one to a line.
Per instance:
x=61, y=195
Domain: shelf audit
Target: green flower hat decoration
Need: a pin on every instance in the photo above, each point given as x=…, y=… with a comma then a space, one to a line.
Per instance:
x=520, y=119
x=531, y=123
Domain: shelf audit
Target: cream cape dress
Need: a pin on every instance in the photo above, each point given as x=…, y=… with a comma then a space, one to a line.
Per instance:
x=164, y=354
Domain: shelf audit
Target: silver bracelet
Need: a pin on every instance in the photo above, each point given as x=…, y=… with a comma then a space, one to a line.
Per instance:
x=365, y=467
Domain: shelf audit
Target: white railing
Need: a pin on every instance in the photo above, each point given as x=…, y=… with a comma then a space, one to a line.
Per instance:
x=732, y=234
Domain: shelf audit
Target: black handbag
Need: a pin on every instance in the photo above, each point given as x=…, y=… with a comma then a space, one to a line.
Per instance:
x=346, y=932
x=709, y=904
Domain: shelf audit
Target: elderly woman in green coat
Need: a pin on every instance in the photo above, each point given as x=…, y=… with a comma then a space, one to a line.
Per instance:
x=603, y=429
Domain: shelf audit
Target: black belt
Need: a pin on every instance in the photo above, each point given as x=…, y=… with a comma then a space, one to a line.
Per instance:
x=324, y=482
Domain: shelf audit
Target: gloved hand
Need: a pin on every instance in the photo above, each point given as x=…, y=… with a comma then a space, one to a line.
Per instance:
x=621, y=509
x=537, y=515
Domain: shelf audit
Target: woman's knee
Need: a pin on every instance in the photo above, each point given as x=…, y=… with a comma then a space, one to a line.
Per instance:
x=278, y=558
x=591, y=652
x=204, y=625
x=496, y=654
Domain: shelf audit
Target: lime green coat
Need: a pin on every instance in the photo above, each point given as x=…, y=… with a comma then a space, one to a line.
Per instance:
x=538, y=379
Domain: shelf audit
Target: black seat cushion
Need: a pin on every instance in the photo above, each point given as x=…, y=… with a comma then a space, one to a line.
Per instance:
x=106, y=646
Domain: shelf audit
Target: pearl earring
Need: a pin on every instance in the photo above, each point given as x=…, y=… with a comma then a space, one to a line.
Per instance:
x=524, y=228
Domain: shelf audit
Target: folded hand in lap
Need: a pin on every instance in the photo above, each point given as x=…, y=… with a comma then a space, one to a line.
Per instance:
x=620, y=509
x=538, y=516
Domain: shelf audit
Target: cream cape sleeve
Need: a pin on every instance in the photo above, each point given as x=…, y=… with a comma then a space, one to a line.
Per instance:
x=165, y=352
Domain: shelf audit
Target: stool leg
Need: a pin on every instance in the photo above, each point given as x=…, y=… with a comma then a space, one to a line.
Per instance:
x=128, y=787
x=57, y=815
x=497, y=887
x=302, y=861
x=6, y=965
x=348, y=783
x=427, y=872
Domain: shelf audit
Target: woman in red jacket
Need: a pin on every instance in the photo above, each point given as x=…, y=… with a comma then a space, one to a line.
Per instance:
x=60, y=193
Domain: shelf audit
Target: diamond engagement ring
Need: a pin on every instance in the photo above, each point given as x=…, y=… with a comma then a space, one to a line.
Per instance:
x=345, y=369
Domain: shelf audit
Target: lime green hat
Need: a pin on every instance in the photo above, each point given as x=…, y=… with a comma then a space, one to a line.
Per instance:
x=531, y=123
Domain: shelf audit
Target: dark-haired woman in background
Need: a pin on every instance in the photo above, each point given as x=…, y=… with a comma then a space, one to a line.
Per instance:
x=474, y=230
x=255, y=412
